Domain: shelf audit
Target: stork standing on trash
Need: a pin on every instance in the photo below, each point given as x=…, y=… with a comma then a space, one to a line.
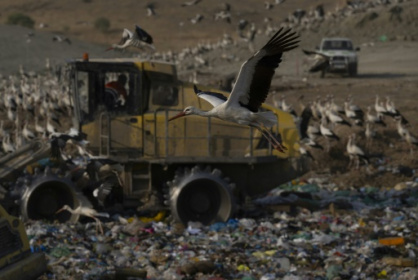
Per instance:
x=88, y=212
x=250, y=90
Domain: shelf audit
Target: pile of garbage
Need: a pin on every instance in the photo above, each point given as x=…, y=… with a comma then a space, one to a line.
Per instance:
x=300, y=230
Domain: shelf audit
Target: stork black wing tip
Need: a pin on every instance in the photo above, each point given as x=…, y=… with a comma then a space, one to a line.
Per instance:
x=196, y=90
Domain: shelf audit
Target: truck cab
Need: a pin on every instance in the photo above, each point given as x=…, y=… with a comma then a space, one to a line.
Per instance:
x=342, y=55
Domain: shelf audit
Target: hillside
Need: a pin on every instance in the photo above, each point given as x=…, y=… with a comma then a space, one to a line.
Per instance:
x=387, y=60
x=170, y=25
x=172, y=30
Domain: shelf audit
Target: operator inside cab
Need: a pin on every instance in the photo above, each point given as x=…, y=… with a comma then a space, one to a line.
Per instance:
x=115, y=93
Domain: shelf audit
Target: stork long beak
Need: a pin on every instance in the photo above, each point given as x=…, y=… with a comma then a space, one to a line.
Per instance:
x=62, y=209
x=182, y=114
x=109, y=49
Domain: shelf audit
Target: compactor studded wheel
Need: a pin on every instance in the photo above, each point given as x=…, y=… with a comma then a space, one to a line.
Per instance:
x=201, y=195
x=39, y=196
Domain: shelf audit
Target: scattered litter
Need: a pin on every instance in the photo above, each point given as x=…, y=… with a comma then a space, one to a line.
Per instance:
x=324, y=233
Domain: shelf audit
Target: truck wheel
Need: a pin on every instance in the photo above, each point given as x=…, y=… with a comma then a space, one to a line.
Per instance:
x=200, y=196
x=352, y=70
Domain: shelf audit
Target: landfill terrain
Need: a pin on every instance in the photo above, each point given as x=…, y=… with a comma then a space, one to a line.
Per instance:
x=335, y=222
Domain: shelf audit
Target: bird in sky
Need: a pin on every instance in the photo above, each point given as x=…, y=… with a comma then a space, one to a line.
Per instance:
x=250, y=90
x=60, y=39
x=139, y=38
x=190, y=3
x=320, y=60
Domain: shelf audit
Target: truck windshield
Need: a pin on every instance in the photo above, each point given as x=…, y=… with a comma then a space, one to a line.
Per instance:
x=337, y=45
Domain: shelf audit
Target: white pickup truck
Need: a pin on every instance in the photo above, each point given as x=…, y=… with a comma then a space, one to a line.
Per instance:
x=341, y=54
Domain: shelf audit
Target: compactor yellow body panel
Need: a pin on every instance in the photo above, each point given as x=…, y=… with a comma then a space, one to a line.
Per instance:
x=153, y=151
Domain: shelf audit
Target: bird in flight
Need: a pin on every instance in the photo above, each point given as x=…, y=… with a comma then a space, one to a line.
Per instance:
x=320, y=60
x=140, y=38
x=60, y=39
x=190, y=3
x=250, y=90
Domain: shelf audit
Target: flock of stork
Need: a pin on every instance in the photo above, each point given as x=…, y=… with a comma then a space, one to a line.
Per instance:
x=247, y=31
x=320, y=118
x=32, y=106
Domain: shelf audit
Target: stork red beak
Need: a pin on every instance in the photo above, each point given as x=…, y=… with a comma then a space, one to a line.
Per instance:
x=109, y=49
x=182, y=114
x=62, y=209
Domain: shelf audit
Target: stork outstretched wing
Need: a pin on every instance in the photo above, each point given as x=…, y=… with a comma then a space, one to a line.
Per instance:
x=254, y=79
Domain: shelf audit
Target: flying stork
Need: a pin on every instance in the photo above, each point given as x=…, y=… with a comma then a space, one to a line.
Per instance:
x=140, y=38
x=320, y=61
x=250, y=90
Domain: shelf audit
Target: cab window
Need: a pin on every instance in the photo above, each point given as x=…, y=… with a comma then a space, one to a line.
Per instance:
x=164, y=95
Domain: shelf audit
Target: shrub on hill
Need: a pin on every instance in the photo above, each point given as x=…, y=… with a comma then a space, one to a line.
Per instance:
x=20, y=19
x=102, y=24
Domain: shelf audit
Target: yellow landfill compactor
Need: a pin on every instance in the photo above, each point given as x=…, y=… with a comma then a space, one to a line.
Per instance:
x=197, y=169
x=16, y=259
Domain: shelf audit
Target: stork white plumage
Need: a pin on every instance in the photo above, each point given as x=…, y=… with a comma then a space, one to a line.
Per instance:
x=50, y=128
x=190, y=3
x=334, y=118
x=139, y=38
x=27, y=133
x=348, y=112
x=374, y=119
x=284, y=106
x=311, y=143
x=11, y=115
x=400, y=128
x=40, y=129
x=320, y=61
x=380, y=106
x=355, y=152
x=316, y=111
x=393, y=112
x=334, y=106
x=353, y=112
x=327, y=132
x=88, y=212
x=7, y=146
x=304, y=152
x=250, y=90
x=313, y=131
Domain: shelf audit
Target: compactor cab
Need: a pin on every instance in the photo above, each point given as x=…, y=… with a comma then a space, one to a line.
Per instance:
x=188, y=158
x=114, y=123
